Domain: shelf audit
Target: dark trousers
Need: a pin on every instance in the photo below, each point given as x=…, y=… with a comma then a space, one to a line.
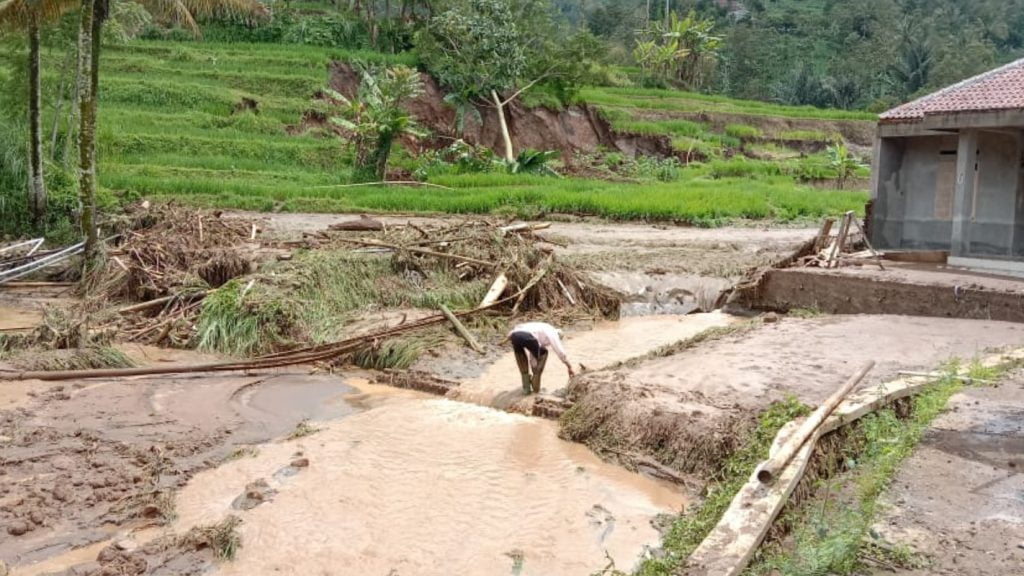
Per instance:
x=523, y=342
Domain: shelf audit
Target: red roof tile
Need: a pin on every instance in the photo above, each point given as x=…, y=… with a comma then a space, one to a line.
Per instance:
x=999, y=89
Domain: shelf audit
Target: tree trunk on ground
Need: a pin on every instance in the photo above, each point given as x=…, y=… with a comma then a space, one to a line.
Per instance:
x=87, y=129
x=37, y=186
x=509, y=154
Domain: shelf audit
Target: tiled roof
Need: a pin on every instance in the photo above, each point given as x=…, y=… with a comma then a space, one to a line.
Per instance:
x=999, y=89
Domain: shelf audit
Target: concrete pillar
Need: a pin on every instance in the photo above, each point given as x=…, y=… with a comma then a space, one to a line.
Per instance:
x=966, y=170
x=887, y=193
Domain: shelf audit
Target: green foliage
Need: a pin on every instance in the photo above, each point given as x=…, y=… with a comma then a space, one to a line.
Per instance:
x=690, y=529
x=474, y=48
x=376, y=117
x=843, y=162
x=681, y=51
x=743, y=132
x=533, y=162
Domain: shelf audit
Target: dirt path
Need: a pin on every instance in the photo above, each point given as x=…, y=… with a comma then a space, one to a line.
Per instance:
x=958, y=502
x=691, y=408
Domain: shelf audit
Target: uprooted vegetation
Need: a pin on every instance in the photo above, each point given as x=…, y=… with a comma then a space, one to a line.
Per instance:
x=189, y=278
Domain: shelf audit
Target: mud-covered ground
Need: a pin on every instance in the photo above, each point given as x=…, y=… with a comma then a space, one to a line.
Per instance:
x=89, y=462
x=958, y=502
x=690, y=408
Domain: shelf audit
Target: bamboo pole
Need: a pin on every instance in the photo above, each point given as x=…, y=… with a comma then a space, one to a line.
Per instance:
x=158, y=301
x=497, y=289
x=423, y=251
x=771, y=468
x=461, y=329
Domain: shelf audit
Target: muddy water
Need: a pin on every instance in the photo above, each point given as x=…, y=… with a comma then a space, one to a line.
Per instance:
x=14, y=319
x=421, y=486
x=608, y=343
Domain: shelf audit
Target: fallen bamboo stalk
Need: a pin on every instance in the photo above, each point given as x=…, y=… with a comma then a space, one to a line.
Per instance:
x=941, y=375
x=16, y=285
x=385, y=183
x=524, y=227
x=279, y=360
x=423, y=251
x=159, y=301
x=496, y=290
x=771, y=468
x=461, y=329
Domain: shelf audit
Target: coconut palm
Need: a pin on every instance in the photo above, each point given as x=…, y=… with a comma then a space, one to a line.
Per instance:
x=94, y=13
x=30, y=15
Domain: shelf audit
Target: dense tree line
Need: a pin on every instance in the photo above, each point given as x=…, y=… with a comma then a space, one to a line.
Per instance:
x=837, y=53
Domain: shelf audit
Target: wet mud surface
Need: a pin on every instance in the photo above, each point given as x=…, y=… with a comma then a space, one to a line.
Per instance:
x=958, y=502
x=692, y=407
x=87, y=461
x=420, y=485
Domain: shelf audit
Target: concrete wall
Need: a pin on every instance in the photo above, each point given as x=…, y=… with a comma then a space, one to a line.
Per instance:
x=958, y=192
x=914, y=190
x=993, y=207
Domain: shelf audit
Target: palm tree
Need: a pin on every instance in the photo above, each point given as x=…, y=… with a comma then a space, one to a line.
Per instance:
x=94, y=13
x=30, y=15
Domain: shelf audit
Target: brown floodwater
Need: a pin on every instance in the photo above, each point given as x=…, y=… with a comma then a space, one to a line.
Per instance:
x=416, y=485
x=608, y=343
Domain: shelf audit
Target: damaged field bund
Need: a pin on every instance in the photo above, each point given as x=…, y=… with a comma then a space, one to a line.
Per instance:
x=731, y=545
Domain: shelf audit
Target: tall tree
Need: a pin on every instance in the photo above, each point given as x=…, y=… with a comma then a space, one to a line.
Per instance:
x=30, y=16
x=94, y=13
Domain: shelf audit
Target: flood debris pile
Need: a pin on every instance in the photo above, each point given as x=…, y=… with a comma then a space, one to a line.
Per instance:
x=159, y=268
x=848, y=246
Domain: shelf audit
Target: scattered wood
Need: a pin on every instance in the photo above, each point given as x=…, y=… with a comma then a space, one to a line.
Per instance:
x=525, y=227
x=533, y=282
x=362, y=224
x=25, y=285
x=770, y=469
x=461, y=329
x=877, y=256
x=565, y=291
x=424, y=251
x=823, y=234
x=496, y=290
x=162, y=301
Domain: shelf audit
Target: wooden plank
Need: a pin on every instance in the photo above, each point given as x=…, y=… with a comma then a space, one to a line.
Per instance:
x=731, y=545
x=497, y=289
x=461, y=329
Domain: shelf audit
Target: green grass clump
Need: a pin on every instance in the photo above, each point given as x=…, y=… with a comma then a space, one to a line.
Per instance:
x=743, y=132
x=89, y=358
x=690, y=529
x=315, y=298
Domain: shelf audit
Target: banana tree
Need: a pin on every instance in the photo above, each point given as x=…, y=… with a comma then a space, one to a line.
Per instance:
x=376, y=117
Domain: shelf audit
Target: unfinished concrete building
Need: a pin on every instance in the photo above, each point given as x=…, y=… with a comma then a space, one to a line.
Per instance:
x=948, y=173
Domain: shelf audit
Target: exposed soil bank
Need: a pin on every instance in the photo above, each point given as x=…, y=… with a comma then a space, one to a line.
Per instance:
x=691, y=409
x=959, y=500
x=574, y=129
x=416, y=485
x=899, y=290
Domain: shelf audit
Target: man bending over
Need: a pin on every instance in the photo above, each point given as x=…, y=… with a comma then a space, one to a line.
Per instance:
x=530, y=342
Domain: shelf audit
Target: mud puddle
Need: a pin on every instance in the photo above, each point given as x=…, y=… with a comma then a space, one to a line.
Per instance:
x=675, y=294
x=418, y=485
x=608, y=343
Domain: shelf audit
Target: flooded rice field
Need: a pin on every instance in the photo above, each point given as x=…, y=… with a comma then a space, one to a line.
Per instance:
x=606, y=344
x=419, y=485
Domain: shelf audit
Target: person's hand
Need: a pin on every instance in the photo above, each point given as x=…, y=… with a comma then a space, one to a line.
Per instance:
x=571, y=372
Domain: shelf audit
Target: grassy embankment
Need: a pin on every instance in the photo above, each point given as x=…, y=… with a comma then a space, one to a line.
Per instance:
x=168, y=130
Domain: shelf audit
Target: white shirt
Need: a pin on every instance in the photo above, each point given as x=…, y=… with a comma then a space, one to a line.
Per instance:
x=548, y=337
